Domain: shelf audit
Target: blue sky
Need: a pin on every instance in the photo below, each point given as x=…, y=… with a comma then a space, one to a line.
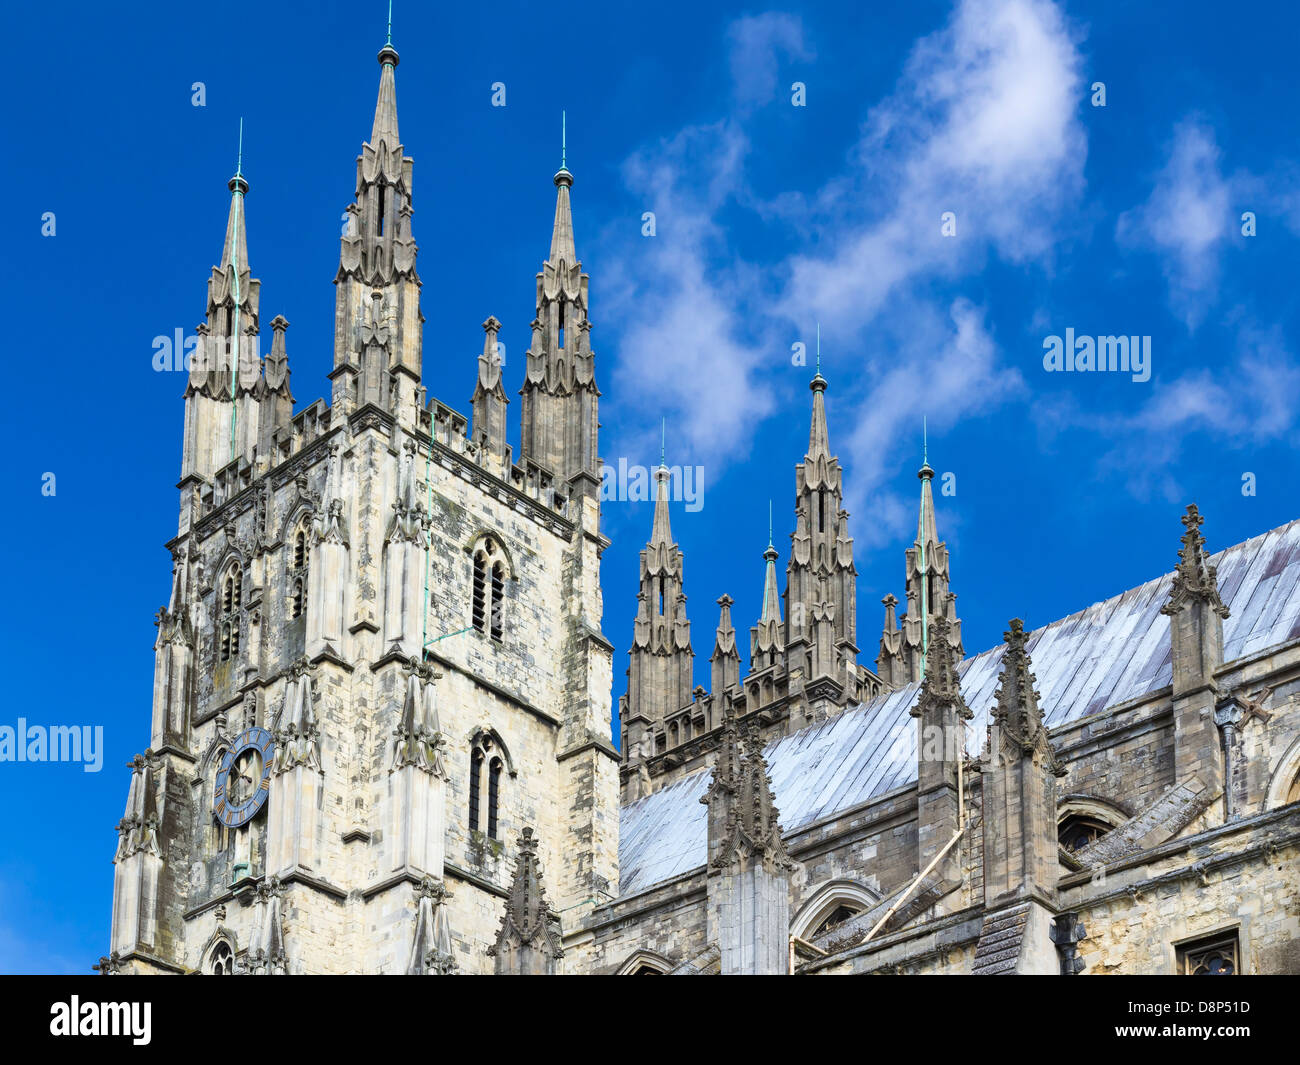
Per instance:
x=770, y=218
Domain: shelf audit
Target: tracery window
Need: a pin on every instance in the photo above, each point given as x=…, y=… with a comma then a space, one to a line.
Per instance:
x=1078, y=831
x=485, y=766
x=298, y=560
x=230, y=596
x=1214, y=956
x=487, y=608
x=221, y=962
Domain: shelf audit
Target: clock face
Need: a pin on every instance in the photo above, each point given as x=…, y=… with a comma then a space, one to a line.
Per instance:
x=244, y=778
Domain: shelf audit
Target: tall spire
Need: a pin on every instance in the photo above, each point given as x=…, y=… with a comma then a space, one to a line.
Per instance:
x=234, y=251
x=765, y=644
x=661, y=660
x=221, y=401
x=562, y=246
x=661, y=532
x=385, y=125
x=561, y=423
x=819, y=441
x=377, y=343
x=821, y=578
x=929, y=595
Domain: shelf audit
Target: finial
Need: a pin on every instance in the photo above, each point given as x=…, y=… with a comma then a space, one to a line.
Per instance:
x=564, y=140
x=769, y=523
x=238, y=184
x=390, y=23
x=818, y=383
x=663, y=441
x=925, y=472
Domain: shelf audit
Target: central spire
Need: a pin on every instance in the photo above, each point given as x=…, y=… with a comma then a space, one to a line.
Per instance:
x=377, y=338
x=561, y=420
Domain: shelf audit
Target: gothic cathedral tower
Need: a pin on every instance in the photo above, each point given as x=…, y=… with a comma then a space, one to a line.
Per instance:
x=381, y=711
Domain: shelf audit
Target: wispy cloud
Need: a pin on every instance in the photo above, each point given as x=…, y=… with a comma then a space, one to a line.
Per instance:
x=1249, y=400
x=982, y=122
x=1186, y=220
x=684, y=351
x=758, y=44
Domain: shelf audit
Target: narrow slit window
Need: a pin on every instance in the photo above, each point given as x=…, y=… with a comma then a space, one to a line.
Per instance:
x=494, y=796
x=480, y=581
x=475, y=772
x=498, y=594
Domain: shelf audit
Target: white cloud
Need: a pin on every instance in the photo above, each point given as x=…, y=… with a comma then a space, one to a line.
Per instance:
x=943, y=367
x=1186, y=219
x=1251, y=399
x=983, y=122
x=758, y=44
x=683, y=352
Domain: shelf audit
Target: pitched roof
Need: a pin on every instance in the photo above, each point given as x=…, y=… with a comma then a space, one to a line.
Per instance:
x=1111, y=652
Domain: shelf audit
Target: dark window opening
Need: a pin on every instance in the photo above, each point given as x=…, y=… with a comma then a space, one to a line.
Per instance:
x=475, y=771
x=1215, y=956
x=480, y=580
x=836, y=918
x=1078, y=831
x=494, y=796
x=498, y=594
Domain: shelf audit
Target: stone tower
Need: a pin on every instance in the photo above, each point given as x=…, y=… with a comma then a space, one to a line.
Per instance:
x=349, y=721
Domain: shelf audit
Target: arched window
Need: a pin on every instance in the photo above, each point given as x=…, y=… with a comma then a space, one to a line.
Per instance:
x=1081, y=820
x=1078, y=831
x=487, y=606
x=221, y=962
x=1294, y=794
x=1215, y=956
x=835, y=918
x=298, y=560
x=829, y=907
x=487, y=759
x=230, y=594
x=475, y=779
x=645, y=963
x=494, y=796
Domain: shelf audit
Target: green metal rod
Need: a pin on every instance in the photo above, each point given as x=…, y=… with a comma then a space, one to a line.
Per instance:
x=447, y=635
x=234, y=255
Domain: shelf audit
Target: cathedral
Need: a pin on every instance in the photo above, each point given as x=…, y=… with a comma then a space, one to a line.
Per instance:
x=382, y=701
